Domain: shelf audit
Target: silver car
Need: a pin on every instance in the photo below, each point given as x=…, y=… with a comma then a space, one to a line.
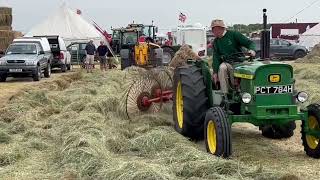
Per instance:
x=25, y=59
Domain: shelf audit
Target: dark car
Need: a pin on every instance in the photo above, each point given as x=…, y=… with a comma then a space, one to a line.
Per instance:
x=281, y=48
x=78, y=52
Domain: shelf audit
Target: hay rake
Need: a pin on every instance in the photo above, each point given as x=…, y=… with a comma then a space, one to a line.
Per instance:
x=149, y=90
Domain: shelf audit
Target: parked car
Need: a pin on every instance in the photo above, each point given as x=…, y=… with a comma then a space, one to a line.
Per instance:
x=283, y=49
x=61, y=57
x=27, y=58
x=78, y=52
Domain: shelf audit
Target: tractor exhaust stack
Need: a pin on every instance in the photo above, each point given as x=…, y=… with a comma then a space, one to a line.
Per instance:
x=265, y=38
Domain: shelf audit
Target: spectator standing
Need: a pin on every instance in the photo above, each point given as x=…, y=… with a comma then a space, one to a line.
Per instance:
x=102, y=52
x=90, y=52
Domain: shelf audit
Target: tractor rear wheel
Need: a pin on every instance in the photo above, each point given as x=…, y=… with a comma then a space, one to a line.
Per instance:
x=310, y=143
x=218, y=133
x=278, y=132
x=190, y=101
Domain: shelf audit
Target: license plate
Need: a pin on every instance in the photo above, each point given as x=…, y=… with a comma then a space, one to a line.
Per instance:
x=274, y=89
x=15, y=70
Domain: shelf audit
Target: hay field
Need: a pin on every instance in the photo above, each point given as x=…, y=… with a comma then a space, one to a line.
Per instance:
x=75, y=129
x=78, y=132
x=19, y=85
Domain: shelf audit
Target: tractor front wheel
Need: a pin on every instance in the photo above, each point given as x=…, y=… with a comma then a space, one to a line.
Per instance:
x=218, y=133
x=190, y=101
x=311, y=143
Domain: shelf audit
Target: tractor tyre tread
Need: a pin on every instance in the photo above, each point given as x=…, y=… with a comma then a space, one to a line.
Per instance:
x=314, y=110
x=223, y=129
x=195, y=101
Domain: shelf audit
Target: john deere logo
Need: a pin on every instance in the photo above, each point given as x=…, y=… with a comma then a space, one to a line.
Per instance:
x=274, y=78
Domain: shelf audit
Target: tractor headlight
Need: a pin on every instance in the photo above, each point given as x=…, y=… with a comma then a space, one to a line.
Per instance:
x=246, y=98
x=302, y=97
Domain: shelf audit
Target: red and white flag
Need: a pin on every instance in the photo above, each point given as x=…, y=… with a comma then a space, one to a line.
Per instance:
x=182, y=17
x=79, y=11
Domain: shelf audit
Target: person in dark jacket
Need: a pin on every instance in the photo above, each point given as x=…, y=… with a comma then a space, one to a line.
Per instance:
x=102, y=52
x=226, y=43
x=90, y=52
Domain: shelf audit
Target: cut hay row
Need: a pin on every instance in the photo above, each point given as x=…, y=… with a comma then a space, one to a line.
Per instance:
x=312, y=57
x=308, y=76
x=181, y=57
x=79, y=132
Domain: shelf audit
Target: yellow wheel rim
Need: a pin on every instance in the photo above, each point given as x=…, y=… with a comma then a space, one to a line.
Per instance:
x=212, y=137
x=313, y=125
x=179, y=105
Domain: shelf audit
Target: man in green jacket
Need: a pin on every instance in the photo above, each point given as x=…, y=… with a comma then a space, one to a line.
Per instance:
x=227, y=43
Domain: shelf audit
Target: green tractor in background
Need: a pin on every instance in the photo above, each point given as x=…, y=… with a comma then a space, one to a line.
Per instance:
x=264, y=95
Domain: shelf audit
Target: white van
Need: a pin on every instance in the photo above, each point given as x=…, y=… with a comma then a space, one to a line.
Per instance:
x=193, y=35
x=61, y=57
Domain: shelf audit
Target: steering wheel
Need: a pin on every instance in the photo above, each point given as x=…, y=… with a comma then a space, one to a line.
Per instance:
x=237, y=57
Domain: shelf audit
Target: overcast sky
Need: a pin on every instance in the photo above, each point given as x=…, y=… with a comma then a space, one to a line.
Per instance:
x=28, y=13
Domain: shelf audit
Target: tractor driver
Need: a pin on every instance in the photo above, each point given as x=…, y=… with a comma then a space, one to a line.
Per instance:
x=227, y=43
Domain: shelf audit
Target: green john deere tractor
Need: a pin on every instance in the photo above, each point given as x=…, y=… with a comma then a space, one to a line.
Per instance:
x=263, y=94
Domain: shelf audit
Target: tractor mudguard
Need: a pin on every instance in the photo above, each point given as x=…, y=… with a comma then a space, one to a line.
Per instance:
x=207, y=78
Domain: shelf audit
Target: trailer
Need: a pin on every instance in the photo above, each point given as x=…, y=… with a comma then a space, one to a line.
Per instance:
x=193, y=35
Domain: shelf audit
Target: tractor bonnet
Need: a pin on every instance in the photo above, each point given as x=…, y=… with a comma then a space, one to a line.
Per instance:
x=249, y=70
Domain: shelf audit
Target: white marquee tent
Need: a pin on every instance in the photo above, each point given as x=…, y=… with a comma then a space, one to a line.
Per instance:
x=69, y=25
x=311, y=37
